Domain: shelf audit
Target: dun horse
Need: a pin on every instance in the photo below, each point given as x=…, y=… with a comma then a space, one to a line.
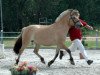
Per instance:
x=47, y=35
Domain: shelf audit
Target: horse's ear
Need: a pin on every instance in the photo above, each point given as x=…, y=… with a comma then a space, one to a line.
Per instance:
x=76, y=12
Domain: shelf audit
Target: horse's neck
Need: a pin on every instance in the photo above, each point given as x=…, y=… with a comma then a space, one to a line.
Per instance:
x=61, y=27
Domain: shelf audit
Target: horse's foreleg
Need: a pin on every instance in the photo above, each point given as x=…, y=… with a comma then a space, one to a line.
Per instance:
x=69, y=52
x=56, y=55
x=36, y=49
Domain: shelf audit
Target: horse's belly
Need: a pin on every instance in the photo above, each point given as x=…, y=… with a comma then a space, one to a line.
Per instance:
x=45, y=42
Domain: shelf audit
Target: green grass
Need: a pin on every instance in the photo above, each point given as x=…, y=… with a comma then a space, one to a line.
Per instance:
x=89, y=44
x=9, y=43
x=92, y=44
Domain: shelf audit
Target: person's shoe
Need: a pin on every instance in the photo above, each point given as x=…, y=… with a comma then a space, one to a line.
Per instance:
x=61, y=54
x=89, y=62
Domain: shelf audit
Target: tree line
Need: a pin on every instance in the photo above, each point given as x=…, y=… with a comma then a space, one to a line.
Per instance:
x=20, y=13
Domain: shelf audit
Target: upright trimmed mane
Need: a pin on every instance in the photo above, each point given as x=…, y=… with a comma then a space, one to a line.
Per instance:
x=61, y=15
x=75, y=12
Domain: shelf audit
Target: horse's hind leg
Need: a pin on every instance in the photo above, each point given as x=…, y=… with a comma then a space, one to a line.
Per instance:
x=24, y=45
x=69, y=52
x=20, y=52
x=56, y=55
x=25, y=41
x=36, y=49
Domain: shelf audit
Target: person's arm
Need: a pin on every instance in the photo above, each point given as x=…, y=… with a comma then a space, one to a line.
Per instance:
x=89, y=27
x=86, y=25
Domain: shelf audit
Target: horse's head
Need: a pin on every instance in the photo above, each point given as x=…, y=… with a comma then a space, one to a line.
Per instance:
x=69, y=17
x=74, y=18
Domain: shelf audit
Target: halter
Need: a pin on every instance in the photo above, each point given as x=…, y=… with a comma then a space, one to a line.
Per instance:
x=76, y=23
x=72, y=17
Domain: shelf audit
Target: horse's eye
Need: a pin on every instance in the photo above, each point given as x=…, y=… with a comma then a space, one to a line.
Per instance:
x=73, y=17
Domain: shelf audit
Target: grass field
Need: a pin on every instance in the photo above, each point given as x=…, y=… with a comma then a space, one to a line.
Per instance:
x=90, y=44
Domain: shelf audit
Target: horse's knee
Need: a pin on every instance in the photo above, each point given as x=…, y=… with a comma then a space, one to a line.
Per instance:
x=68, y=50
x=35, y=51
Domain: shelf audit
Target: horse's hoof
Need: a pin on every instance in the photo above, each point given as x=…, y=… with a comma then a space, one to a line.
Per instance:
x=17, y=61
x=15, y=64
x=43, y=62
x=72, y=62
x=49, y=63
x=61, y=55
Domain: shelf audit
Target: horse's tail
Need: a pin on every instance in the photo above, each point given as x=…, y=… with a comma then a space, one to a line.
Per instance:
x=18, y=44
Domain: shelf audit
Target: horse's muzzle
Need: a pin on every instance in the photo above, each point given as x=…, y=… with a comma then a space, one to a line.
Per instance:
x=78, y=24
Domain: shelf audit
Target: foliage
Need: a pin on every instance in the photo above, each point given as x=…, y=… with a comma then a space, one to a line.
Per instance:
x=20, y=13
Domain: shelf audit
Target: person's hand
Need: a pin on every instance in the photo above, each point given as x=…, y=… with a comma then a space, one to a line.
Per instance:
x=90, y=27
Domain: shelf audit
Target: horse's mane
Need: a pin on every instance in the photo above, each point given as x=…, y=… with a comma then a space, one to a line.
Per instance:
x=61, y=15
x=66, y=12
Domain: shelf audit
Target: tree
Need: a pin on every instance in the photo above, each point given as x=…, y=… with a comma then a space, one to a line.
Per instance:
x=20, y=13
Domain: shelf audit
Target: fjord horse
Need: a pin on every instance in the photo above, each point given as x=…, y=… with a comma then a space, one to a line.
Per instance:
x=47, y=35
